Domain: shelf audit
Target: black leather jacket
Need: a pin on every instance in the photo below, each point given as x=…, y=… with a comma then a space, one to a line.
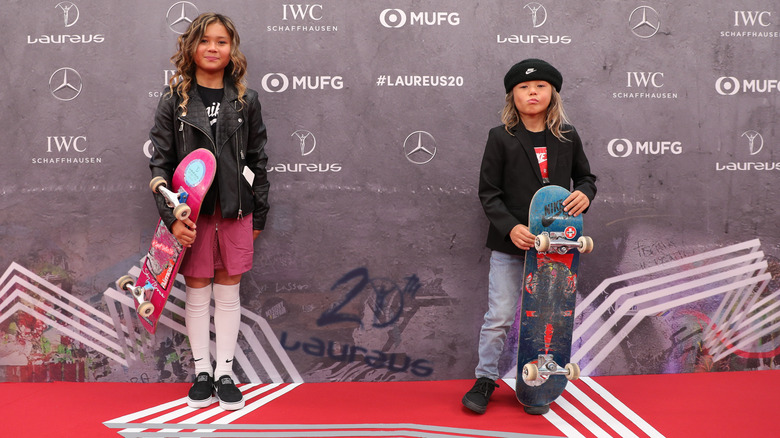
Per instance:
x=240, y=142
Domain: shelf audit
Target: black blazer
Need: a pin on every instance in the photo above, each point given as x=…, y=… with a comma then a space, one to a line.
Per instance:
x=510, y=175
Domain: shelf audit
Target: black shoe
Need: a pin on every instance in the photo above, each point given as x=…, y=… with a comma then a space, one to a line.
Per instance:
x=228, y=394
x=536, y=410
x=201, y=391
x=479, y=395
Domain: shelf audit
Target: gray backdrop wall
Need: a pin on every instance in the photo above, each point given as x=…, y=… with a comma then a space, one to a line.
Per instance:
x=373, y=265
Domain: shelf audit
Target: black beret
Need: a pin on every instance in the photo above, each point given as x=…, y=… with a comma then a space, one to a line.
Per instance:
x=532, y=70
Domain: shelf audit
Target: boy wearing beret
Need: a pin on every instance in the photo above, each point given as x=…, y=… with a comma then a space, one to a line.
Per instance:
x=533, y=147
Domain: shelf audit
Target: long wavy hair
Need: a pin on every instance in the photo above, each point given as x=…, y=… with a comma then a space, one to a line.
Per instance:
x=184, y=58
x=555, y=119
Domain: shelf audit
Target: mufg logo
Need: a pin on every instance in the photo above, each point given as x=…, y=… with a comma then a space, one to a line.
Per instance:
x=729, y=85
x=623, y=147
x=397, y=18
x=280, y=82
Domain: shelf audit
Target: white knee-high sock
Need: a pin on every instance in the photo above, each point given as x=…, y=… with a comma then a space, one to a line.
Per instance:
x=198, y=322
x=227, y=319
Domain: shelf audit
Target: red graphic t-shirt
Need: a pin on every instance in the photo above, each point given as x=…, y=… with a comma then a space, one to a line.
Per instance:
x=541, y=156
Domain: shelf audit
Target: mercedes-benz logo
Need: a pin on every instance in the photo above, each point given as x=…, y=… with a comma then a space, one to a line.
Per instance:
x=65, y=84
x=644, y=22
x=180, y=15
x=419, y=147
x=70, y=13
x=306, y=141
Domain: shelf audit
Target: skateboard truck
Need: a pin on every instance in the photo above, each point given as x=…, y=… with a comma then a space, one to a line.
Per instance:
x=173, y=199
x=145, y=308
x=535, y=374
x=557, y=242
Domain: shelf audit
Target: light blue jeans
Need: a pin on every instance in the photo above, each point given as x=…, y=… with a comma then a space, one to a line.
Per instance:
x=505, y=282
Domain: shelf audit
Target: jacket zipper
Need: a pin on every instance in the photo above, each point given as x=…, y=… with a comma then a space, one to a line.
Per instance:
x=239, y=157
x=181, y=128
x=183, y=138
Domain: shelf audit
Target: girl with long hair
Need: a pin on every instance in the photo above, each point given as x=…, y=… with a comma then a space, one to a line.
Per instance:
x=208, y=105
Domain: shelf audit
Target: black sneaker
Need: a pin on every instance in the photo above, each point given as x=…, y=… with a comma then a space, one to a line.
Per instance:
x=479, y=395
x=228, y=394
x=536, y=410
x=201, y=391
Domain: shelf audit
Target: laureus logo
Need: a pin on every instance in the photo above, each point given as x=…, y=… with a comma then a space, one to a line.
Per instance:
x=70, y=13
x=538, y=13
x=755, y=140
x=755, y=144
x=306, y=140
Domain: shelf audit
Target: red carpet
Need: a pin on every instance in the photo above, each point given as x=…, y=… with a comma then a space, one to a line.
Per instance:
x=713, y=405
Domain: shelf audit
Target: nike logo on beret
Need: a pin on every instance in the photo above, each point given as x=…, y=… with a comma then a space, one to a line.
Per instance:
x=530, y=70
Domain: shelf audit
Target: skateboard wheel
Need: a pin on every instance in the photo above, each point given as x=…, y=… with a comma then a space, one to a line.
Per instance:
x=182, y=211
x=156, y=182
x=530, y=372
x=124, y=281
x=586, y=244
x=145, y=309
x=542, y=243
x=573, y=371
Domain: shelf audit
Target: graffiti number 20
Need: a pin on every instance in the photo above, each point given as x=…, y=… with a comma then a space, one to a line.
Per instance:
x=388, y=303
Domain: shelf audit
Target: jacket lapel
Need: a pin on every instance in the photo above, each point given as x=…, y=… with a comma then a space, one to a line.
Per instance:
x=525, y=142
x=196, y=112
x=229, y=119
x=553, y=146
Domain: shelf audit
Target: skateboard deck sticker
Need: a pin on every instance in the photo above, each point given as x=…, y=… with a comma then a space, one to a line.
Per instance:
x=195, y=173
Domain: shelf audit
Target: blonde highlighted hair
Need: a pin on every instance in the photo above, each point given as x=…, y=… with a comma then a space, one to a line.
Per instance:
x=184, y=58
x=554, y=120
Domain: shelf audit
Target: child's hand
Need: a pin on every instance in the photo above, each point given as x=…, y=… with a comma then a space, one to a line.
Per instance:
x=184, y=231
x=522, y=238
x=576, y=203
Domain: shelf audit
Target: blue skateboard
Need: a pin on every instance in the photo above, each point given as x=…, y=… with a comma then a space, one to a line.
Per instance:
x=549, y=296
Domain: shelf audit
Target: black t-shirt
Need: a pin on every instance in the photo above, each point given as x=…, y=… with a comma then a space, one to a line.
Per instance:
x=540, y=147
x=211, y=99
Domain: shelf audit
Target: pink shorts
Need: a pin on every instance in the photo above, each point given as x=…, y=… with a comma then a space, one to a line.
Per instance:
x=219, y=244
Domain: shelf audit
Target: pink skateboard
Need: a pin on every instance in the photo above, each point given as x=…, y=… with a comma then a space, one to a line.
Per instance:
x=191, y=181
